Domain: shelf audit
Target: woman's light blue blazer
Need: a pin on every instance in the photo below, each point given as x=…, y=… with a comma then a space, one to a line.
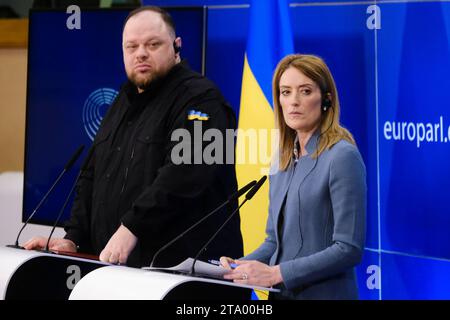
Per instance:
x=323, y=203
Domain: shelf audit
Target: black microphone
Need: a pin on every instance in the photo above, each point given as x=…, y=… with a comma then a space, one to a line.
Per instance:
x=255, y=189
x=242, y=190
x=248, y=196
x=66, y=168
x=234, y=196
x=74, y=158
x=66, y=202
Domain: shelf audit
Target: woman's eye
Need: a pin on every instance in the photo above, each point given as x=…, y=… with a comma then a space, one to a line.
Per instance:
x=306, y=91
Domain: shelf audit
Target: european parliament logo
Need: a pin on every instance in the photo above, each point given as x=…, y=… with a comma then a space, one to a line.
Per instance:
x=94, y=109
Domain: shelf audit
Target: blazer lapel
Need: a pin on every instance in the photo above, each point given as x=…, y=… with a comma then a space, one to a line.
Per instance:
x=292, y=240
x=306, y=164
x=279, y=190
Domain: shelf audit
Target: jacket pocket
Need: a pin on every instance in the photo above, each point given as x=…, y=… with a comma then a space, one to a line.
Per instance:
x=148, y=156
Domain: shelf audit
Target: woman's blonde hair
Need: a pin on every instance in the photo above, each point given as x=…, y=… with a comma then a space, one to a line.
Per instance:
x=330, y=130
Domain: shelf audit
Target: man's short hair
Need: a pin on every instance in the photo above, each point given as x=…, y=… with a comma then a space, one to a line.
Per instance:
x=167, y=18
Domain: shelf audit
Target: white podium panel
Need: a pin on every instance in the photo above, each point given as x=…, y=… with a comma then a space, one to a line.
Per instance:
x=123, y=283
x=34, y=275
x=11, y=260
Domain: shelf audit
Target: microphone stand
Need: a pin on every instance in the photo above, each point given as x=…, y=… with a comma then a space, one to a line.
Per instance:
x=248, y=196
x=62, y=211
x=232, y=197
x=192, y=272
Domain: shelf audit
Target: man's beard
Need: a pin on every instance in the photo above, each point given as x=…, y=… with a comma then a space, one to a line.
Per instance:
x=143, y=82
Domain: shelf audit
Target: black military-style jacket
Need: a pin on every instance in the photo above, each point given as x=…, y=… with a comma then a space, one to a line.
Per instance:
x=133, y=180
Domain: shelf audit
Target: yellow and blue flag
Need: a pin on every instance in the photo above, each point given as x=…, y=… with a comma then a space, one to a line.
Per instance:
x=197, y=115
x=269, y=40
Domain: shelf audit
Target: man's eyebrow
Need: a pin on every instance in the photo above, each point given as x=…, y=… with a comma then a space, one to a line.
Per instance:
x=153, y=38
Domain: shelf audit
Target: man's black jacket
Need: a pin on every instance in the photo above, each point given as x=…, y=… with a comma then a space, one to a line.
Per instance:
x=129, y=176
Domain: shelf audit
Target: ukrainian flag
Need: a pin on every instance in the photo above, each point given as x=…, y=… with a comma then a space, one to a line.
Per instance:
x=269, y=40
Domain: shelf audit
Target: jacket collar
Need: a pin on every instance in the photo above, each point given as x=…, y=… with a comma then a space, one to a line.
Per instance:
x=311, y=145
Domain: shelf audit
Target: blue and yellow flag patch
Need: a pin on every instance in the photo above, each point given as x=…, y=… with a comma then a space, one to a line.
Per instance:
x=197, y=115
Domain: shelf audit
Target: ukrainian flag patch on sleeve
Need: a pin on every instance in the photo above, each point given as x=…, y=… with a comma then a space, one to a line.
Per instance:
x=197, y=115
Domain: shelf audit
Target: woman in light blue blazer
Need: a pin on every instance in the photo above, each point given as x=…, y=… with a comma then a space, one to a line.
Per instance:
x=316, y=224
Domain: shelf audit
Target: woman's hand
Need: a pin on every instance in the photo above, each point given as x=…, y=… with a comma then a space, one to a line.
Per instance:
x=253, y=273
x=226, y=262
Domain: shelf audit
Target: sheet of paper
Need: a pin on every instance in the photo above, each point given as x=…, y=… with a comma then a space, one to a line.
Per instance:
x=201, y=267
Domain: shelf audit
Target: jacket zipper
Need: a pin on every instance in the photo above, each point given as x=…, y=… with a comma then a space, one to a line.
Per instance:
x=126, y=171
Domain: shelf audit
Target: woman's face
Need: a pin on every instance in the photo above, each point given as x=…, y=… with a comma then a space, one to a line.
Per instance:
x=301, y=101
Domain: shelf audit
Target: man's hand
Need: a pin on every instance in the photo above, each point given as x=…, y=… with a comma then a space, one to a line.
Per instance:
x=119, y=246
x=38, y=243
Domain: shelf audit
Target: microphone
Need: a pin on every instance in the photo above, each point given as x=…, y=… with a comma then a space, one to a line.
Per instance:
x=255, y=189
x=66, y=202
x=242, y=191
x=234, y=196
x=248, y=196
x=67, y=167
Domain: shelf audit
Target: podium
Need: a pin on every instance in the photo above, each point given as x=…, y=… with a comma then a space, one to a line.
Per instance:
x=122, y=283
x=34, y=275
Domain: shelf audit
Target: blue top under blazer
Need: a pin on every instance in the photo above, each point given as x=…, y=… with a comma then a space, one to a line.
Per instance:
x=323, y=203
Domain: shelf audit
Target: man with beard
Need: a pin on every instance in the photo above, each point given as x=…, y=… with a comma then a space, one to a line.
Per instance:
x=131, y=197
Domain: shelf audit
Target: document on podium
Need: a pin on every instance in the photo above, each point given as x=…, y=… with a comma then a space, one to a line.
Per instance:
x=204, y=270
x=201, y=268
